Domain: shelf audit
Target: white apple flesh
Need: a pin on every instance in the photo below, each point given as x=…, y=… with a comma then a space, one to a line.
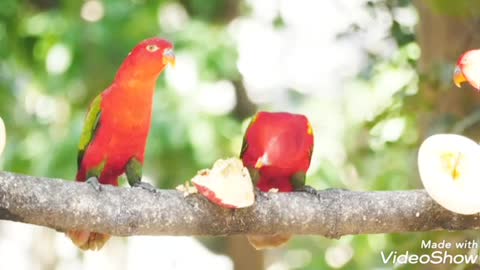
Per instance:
x=227, y=184
x=449, y=167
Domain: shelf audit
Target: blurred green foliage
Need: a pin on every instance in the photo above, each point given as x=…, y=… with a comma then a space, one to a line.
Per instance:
x=459, y=8
x=44, y=110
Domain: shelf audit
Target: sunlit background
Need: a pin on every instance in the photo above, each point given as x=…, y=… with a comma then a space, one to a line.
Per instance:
x=350, y=66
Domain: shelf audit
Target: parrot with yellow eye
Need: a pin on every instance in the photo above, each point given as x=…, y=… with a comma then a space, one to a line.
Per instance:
x=468, y=69
x=116, y=127
x=277, y=149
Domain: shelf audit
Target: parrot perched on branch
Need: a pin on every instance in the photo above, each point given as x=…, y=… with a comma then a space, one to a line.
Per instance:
x=117, y=125
x=468, y=69
x=277, y=149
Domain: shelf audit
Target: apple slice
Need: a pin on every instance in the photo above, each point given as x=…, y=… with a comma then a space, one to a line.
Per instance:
x=186, y=189
x=227, y=184
x=449, y=168
x=3, y=136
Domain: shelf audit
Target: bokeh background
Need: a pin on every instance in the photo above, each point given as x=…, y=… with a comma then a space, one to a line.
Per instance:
x=374, y=78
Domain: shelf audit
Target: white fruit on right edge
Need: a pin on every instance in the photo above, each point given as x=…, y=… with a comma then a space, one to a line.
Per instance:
x=449, y=166
x=3, y=136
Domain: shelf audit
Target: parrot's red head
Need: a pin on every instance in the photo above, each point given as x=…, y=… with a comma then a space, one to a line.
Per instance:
x=147, y=60
x=282, y=142
x=468, y=69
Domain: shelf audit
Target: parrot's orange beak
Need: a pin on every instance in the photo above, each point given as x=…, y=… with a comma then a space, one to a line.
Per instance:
x=169, y=57
x=458, y=77
x=262, y=161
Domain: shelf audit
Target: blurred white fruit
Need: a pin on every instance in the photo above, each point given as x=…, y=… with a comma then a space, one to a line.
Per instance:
x=227, y=184
x=449, y=166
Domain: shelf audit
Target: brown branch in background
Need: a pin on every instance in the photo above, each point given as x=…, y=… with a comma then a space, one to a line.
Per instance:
x=63, y=205
x=244, y=107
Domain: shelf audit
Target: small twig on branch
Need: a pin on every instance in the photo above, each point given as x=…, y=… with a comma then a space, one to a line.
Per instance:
x=64, y=205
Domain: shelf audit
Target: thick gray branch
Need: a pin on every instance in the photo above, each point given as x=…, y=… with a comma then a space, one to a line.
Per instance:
x=66, y=205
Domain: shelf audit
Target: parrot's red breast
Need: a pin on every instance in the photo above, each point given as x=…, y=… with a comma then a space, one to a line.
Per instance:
x=279, y=146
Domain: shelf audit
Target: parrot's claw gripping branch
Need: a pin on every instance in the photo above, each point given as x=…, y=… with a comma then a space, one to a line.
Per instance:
x=332, y=213
x=308, y=189
x=145, y=186
x=259, y=193
x=93, y=181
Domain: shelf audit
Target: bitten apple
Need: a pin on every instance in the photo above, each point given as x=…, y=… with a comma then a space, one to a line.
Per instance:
x=227, y=184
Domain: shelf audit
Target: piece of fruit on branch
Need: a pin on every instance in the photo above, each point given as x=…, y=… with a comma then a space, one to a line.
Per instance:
x=448, y=167
x=227, y=184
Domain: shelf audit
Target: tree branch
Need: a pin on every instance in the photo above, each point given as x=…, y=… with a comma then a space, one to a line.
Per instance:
x=64, y=205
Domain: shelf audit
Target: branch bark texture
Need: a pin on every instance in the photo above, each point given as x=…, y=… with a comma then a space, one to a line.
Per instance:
x=64, y=205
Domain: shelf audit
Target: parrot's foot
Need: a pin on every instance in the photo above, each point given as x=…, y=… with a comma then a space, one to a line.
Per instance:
x=308, y=189
x=259, y=193
x=88, y=240
x=93, y=181
x=268, y=241
x=146, y=186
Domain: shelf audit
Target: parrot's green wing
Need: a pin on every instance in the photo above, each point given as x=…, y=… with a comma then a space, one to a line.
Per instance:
x=92, y=121
x=245, y=143
x=254, y=173
x=298, y=179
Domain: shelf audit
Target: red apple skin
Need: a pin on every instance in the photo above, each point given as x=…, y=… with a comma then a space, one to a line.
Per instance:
x=210, y=195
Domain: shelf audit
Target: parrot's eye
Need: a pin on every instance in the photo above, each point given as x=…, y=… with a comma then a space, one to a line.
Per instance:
x=152, y=48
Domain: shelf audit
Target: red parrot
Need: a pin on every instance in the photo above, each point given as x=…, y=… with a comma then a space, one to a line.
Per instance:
x=117, y=125
x=468, y=69
x=277, y=149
